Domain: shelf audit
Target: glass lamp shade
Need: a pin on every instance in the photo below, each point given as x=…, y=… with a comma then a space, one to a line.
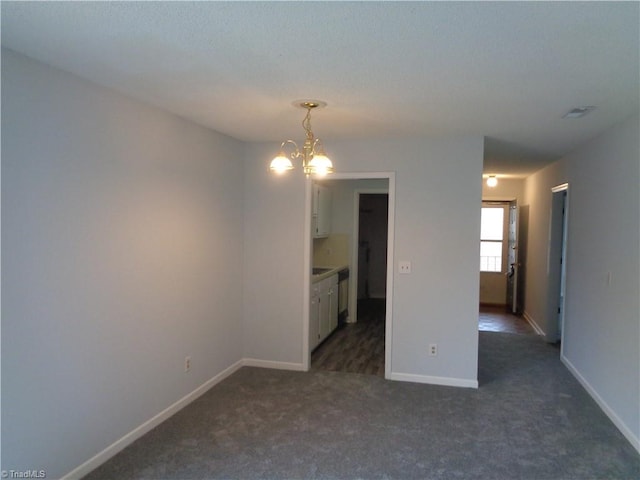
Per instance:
x=320, y=165
x=281, y=164
x=492, y=181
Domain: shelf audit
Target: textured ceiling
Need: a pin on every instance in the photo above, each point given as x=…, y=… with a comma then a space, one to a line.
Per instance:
x=505, y=70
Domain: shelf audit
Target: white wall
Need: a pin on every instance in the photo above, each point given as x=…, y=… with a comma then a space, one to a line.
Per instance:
x=273, y=262
x=538, y=198
x=121, y=254
x=602, y=320
x=437, y=228
x=336, y=248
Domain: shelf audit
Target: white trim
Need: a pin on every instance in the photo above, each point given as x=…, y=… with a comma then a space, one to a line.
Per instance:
x=255, y=362
x=306, y=275
x=533, y=323
x=560, y=188
x=431, y=380
x=617, y=421
x=391, y=228
x=117, y=446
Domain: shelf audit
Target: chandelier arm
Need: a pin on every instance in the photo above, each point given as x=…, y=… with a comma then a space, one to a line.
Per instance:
x=296, y=152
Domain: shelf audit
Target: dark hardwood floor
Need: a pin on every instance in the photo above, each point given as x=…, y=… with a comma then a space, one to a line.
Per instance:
x=359, y=347
x=497, y=319
x=355, y=347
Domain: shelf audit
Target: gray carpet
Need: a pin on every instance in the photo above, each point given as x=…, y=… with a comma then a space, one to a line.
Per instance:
x=529, y=419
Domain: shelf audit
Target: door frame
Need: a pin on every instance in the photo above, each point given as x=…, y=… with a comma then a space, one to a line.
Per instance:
x=556, y=298
x=307, y=260
x=515, y=239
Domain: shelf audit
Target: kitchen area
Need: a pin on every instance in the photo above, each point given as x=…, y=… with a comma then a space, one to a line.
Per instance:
x=337, y=269
x=330, y=273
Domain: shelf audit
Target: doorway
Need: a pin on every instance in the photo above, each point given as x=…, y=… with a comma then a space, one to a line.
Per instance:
x=502, y=259
x=556, y=265
x=372, y=233
x=496, y=245
x=375, y=189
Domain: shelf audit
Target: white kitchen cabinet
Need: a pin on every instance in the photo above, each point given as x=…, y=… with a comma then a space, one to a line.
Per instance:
x=327, y=299
x=314, y=322
x=323, y=314
x=321, y=211
x=332, y=298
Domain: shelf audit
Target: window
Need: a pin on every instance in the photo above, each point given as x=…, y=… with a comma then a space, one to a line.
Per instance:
x=491, y=239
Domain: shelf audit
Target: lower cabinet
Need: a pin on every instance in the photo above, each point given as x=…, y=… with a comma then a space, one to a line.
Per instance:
x=323, y=314
x=314, y=320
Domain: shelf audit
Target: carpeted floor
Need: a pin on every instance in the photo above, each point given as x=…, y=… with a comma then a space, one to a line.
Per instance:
x=529, y=419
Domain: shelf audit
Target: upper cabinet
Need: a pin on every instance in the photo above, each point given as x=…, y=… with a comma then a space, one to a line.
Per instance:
x=321, y=210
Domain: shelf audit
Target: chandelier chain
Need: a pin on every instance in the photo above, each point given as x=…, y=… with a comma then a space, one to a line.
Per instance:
x=306, y=124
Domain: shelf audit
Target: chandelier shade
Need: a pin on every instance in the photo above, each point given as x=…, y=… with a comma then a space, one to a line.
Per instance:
x=281, y=163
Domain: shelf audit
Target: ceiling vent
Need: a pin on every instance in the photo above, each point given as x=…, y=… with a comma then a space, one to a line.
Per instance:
x=578, y=112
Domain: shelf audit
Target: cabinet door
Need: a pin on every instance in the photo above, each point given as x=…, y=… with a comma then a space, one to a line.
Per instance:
x=321, y=210
x=324, y=319
x=314, y=322
x=333, y=303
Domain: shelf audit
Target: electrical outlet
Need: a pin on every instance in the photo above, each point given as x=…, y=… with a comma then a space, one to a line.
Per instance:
x=404, y=266
x=433, y=349
x=187, y=364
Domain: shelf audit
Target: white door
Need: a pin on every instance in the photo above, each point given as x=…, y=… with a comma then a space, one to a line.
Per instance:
x=512, y=259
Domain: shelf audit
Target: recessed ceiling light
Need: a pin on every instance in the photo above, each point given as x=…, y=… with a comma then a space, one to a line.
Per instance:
x=578, y=112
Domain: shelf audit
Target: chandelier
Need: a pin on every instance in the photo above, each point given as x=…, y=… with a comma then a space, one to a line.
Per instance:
x=314, y=160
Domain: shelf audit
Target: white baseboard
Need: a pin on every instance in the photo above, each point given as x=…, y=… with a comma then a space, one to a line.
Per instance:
x=119, y=445
x=629, y=435
x=254, y=362
x=153, y=422
x=533, y=324
x=444, y=381
x=617, y=421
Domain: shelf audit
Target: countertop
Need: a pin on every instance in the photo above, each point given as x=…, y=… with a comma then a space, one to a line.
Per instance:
x=333, y=270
